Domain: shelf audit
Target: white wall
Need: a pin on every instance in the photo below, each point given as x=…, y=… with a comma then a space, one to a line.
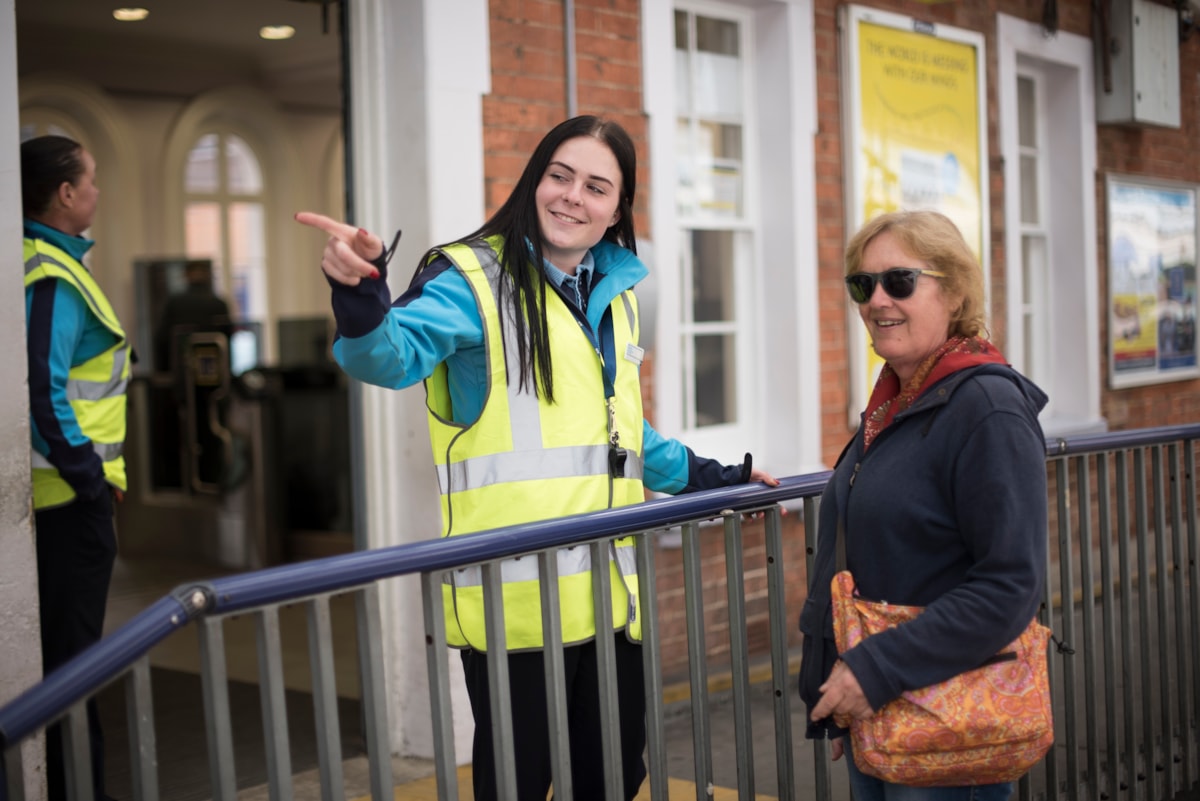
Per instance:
x=20, y=656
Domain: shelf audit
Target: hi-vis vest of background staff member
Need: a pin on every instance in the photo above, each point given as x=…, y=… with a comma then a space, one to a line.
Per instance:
x=525, y=460
x=95, y=388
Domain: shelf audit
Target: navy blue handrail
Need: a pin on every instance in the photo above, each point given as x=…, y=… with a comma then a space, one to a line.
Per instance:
x=98, y=665
x=1090, y=443
x=95, y=667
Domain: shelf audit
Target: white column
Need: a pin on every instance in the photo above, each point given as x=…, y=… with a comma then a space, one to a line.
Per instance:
x=418, y=73
x=20, y=651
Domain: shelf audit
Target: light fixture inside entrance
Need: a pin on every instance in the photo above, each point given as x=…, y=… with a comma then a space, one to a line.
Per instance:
x=130, y=14
x=277, y=32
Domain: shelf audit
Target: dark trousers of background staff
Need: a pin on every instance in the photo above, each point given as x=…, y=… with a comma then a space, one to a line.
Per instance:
x=531, y=734
x=76, y=547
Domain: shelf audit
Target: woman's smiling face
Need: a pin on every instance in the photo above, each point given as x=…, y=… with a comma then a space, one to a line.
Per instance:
x=904, y=332
x=577, y=200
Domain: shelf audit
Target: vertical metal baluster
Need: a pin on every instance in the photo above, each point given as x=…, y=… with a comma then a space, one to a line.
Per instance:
x=14, y=774
x=143, y=750
x=1132, y=776
x=656, y=737
x=555, y=672
x=1112, y=768
x=1144, y=590
x=1179, y=578
x=822, y=780
x=1087, y=583
x=437, y=665
x=735, y=588
x=374, y=694
x=1067, y=594
x=693, y=589
x=1161, y=589
x=274, y=704
x=1189, y=469
x=780, y=677
x=1050, y=763
x=215, y=684
x=77, y=753
x=324, y=686
x=498, y=684
x=606, y=669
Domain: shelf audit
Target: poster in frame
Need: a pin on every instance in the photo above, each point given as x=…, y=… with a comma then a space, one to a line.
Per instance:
x=1152, y=303
x=915, y=129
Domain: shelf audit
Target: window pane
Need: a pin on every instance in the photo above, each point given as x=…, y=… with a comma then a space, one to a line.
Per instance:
x=243, y=175
x=247, y=260
x=718, y=81
x=683, y=84
x=716, y=366
x=202, y=238
x=712, y=276
x=685, y=168
x=718, y=36
x=201, y=174
x=1026, y=116
x=681, y=30
x=1030, y=212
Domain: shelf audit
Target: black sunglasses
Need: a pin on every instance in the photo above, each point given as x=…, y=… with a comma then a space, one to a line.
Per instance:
x=898, y=282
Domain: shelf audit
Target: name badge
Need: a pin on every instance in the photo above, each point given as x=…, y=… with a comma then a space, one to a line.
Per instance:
x=634, y=354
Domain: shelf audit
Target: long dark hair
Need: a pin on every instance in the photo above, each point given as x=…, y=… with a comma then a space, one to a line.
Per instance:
x=517, y=222
x=46, y=162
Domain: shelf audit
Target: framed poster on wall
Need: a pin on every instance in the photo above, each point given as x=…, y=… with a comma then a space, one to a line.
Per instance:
x=915, y=134
x=1152, y=304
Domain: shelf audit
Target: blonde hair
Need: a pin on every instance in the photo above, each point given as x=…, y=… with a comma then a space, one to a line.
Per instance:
x=933, y=238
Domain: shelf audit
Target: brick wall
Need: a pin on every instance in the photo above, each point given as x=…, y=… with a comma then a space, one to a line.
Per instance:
x=529, y=88
x=529, y=96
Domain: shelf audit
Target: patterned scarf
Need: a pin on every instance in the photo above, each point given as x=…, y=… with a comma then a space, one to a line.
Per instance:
x=888, y=398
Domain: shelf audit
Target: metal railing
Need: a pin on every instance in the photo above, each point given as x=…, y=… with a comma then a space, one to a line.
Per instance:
x=1124, y=601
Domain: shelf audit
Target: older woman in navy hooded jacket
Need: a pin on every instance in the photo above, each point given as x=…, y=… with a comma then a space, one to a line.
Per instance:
x=941, y=493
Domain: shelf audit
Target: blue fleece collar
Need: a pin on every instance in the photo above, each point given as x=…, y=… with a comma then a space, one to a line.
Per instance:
x=75, y=246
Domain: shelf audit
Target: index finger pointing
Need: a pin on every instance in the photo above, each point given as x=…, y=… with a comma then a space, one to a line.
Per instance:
x=341, y=230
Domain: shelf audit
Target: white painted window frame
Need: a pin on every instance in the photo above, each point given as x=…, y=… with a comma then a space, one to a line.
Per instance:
x=782, y=403
x=1065, y=65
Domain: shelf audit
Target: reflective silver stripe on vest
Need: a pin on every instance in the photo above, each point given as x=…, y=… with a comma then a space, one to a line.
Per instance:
x=628, y=311
x=571, y=561
x=107, y=451
x=37, y=262
x=79, y=389
x=576, y=460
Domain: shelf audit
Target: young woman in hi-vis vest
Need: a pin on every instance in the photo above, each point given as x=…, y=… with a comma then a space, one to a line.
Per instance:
x=525, y=333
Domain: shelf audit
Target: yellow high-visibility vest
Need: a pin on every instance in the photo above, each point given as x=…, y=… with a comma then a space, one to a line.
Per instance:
x=95, y=388
x=525, y=460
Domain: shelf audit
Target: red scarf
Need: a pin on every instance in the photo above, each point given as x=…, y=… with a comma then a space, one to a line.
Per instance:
x=889, y=398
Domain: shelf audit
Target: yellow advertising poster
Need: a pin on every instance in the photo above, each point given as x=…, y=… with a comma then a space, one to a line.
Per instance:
x=914, y=131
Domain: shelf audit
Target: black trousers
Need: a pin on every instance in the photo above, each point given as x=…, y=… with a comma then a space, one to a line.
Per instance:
x=76, y=548
x=531, y=734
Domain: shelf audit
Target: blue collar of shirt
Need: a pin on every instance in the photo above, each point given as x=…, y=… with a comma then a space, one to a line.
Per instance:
x=583, y=273
x=75, y=246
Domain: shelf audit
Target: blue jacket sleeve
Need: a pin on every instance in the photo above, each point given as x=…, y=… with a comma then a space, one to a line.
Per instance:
x=673, y=468
x=396, y=345
x=56, y=319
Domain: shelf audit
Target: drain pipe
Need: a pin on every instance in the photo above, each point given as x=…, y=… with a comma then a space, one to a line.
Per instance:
x=569, y=55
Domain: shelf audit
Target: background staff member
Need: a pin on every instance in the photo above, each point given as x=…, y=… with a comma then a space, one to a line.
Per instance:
x=79, y=360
